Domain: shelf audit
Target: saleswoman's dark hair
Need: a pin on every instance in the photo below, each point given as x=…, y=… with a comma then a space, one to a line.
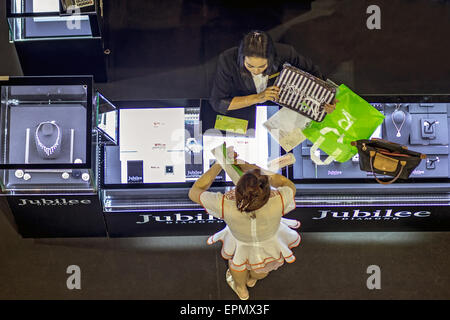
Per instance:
x=257, y=44
x=252, y=192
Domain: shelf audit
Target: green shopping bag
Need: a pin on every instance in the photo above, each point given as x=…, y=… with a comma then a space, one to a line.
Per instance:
x=353, y=119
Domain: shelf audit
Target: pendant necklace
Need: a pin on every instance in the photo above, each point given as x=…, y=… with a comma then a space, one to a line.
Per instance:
x=401, y=125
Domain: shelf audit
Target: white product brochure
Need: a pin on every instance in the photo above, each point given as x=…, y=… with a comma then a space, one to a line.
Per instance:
x=286, y=127
x=157, y=137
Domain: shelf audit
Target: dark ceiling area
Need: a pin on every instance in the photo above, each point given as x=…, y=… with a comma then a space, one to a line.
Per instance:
x=168, y=48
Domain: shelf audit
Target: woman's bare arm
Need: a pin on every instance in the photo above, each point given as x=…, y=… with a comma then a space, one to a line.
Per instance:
x=204, y=182
x=271, y=93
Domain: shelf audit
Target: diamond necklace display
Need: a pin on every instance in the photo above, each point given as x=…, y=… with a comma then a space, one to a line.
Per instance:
x=48, y=150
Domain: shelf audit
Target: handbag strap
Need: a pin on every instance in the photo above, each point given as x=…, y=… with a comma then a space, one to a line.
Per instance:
x=402, y=163
x=389, y=142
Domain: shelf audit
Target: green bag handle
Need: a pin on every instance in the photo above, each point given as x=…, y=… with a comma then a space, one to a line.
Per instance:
x=235, y=167
x=316, y=159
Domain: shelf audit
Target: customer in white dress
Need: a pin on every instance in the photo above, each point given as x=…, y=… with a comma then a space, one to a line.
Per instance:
x=256, y=239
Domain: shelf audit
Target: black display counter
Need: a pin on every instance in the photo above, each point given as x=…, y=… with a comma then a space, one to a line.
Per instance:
x=124, y=168
x=335, y=198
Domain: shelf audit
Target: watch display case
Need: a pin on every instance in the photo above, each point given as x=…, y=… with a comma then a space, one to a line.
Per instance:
x=48, y=141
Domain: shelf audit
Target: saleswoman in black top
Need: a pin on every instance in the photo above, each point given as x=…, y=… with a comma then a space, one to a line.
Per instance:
x=245, y=74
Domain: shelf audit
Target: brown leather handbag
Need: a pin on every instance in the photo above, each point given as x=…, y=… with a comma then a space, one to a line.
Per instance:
x=387, y=158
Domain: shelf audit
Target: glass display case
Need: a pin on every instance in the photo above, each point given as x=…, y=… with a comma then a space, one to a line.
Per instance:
x=419, y=122
x=52, y=19
x=129, y=165
x=162, y=150
x=49, y=155
x=69, y=33
x=163, y=145
x=48, y=141
x=341, y=197
x=107, y=120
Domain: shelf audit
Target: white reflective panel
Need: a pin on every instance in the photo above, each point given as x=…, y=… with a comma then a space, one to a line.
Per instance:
x=155, y=136
x=45, y=6
x=53, y=6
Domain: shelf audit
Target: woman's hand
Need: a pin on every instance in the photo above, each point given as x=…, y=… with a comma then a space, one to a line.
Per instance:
x=278, y=180
x=235, y=158
x=231, y=154
x=329, y=108
x=271, y=93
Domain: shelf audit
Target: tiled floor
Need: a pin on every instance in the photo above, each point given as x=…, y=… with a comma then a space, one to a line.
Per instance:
x=413, y=265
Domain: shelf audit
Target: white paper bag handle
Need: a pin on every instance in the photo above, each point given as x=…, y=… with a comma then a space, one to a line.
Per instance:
x=315, y=157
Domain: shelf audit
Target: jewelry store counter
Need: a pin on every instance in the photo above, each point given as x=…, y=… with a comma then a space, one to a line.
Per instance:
x=74, y=164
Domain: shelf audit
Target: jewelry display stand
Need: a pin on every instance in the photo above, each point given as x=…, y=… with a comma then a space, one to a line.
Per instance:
x=47, y=135
x=397, y=123
x=57, y=174
x=49, y=152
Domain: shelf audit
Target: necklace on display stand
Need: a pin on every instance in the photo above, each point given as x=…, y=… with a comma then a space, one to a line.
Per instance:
x=398, y=128
x=48, y=152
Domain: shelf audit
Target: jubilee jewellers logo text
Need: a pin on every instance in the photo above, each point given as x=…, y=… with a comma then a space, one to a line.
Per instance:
x=385, y=214
x=178, y=218
x=53, y=202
